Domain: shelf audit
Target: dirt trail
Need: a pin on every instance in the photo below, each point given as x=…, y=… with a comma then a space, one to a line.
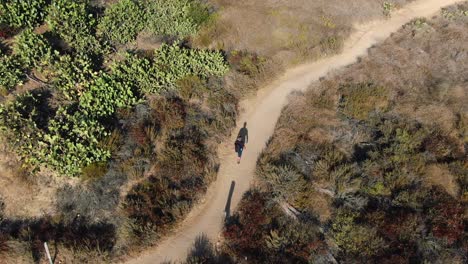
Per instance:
x=261, y=114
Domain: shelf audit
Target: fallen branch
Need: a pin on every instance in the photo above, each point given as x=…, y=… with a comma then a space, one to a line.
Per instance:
x=290, y=210
x=36, y=80
x=324, y=191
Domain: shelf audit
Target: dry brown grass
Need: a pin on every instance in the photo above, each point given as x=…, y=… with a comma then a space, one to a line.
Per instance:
x=423, y=72
x=283, y=32
x=422, y=69
x=288, y=31
x=440, y=175
x=26, y=195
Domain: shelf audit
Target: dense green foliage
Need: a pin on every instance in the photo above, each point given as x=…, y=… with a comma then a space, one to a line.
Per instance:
x=57, y=138
x=178, y=18
x=32, y=49
x=137, y=70
x=174, y=63
x=22, y=13
x=73, y=142
x=11, y=73
x=122, y=21
x=74, y=23
x=171, y=63
x=71, y=74
x=105, y=95
x=65, y=136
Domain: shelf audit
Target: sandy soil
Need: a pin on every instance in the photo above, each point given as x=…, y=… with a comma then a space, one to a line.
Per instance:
x=24, y=195
x=261, y=114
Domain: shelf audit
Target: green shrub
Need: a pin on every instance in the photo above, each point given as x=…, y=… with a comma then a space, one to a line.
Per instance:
x=246, y=63
x=136, y=70
x=11, y=73
x=105, y=95
x=60, y=139
x=32, y=49
x=122, y=21
x=358, y=100
x=173, y=63
x=72, y=21
x=22, y=118
x=199, y=12
x=22, y=13
x=71, y=74
x=71, y=143
x=180, y=18
x=388, y=8
x=353, y=238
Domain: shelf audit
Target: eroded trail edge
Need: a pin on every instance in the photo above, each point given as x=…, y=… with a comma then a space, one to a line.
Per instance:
x=261, y=113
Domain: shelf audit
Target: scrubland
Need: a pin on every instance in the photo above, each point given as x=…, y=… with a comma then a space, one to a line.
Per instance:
x=370, y=164
x=112, y=110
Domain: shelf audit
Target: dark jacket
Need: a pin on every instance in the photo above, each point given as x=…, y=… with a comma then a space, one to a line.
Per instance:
x=239, y=144
x=244, y=135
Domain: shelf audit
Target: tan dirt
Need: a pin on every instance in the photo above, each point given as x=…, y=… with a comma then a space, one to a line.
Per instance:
x=26, y=195
x=261, y=114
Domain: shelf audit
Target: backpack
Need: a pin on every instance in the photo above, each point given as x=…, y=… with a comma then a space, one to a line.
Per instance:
x=238, y=144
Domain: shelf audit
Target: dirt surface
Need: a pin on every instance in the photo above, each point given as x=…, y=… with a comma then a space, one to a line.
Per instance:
x=261, y=114
x=25, y=195
x=290, y=32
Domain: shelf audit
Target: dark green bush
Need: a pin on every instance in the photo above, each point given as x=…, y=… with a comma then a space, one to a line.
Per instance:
x=122, y=21
x=22, y=13
x=105, y=95
x=32, y=49
x=170, y=64
x=180, y=18
x=11, y=73
x=61, y=138
x=74, y=23
x=72, y=74
x=137, y=70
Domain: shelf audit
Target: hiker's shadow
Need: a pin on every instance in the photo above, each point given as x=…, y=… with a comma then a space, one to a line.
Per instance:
x=227, y=209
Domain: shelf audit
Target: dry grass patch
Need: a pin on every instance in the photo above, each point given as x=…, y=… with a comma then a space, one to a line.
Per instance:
x=291, y=31
x=378, y=151
x=440, y=175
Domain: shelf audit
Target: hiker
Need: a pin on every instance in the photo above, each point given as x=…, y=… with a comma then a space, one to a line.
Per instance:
x=241, y=141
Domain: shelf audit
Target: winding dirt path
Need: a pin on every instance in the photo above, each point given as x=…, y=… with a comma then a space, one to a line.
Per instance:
x=261, y=114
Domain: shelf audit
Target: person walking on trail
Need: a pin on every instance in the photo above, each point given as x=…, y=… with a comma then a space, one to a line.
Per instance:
x=241, y=141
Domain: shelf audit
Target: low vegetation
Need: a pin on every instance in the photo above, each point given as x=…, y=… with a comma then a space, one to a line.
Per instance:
x=178, y=18
x=361, y=169
x=22, y=13
x=289, y=32
x=122, y=21
x=135, y=131
x=11, y=73
x=123, y=140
